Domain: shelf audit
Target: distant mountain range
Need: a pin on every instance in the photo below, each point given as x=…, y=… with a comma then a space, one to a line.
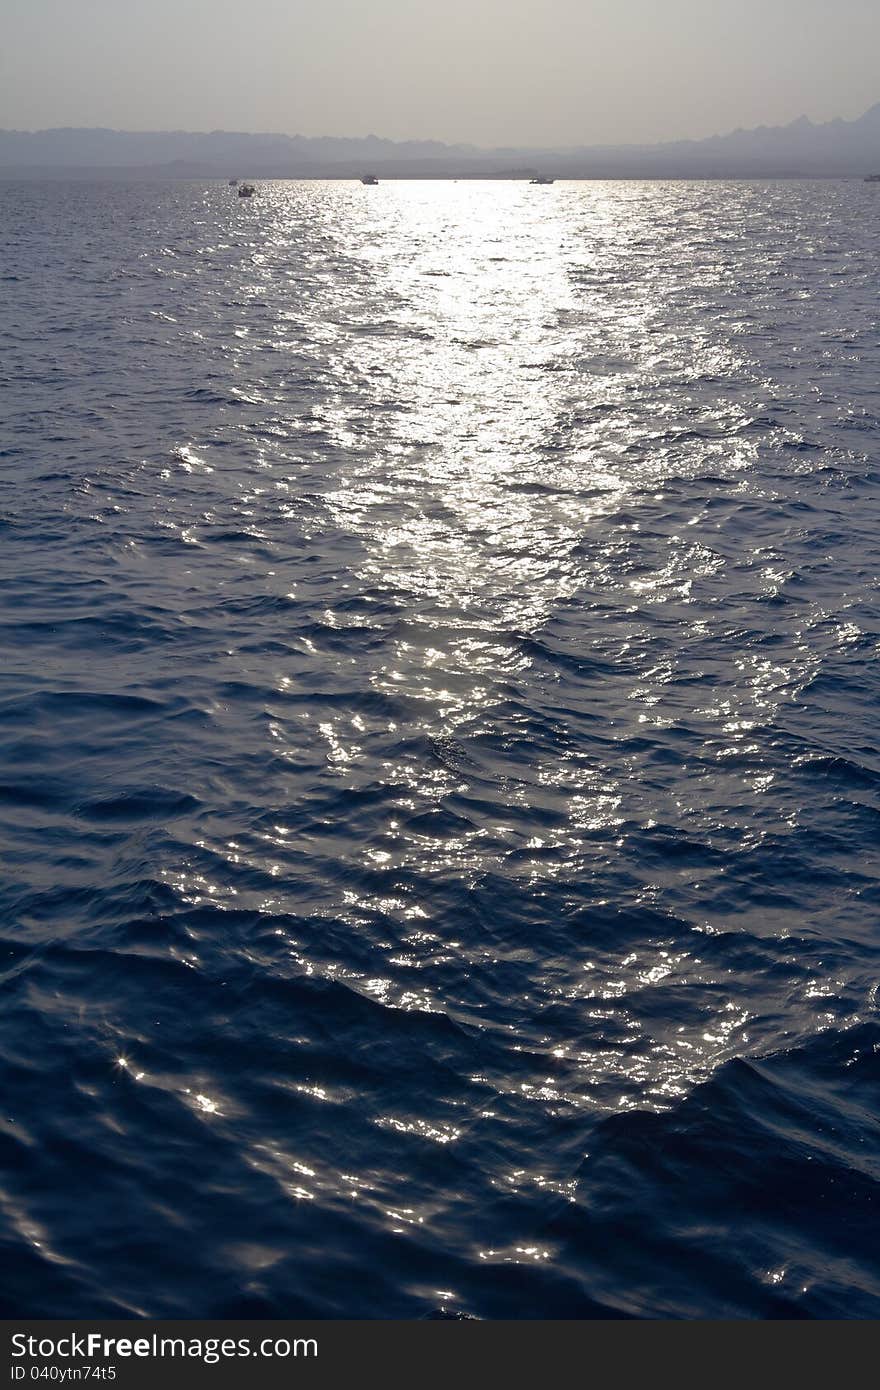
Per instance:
x=801, y=149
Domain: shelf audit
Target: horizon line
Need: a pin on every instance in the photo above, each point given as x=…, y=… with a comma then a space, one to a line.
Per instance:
x=801, y=120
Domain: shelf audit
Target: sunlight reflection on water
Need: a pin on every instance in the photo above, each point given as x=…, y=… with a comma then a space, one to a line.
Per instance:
x=440, y=725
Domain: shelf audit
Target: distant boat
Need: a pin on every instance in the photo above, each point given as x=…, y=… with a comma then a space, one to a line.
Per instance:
x=541, y=178
x=873, y=178
x=246, y=190
x=369, y=178
x=233, y=183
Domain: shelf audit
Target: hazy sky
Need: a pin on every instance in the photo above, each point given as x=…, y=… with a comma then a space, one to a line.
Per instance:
x=485, y=71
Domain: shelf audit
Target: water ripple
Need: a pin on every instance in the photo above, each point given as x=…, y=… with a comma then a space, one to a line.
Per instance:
x=440, y=778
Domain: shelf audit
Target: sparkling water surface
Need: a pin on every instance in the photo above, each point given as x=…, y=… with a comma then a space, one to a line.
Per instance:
x=440, y=770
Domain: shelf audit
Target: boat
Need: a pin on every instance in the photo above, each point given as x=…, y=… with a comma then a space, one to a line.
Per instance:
x=246, y=190
x=233, y=183
x=873, y=178
x=369, y=178
x=541, y=178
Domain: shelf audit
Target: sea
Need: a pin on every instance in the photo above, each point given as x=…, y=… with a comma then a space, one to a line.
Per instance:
x=439, y=755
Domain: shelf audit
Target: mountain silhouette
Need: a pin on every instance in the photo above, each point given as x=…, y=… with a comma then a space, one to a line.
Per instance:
x=799, y=149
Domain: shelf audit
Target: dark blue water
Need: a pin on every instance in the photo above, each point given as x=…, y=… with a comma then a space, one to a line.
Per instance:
x=440, y=769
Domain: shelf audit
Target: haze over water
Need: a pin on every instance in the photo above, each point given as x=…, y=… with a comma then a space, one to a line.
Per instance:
x=440, y=789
